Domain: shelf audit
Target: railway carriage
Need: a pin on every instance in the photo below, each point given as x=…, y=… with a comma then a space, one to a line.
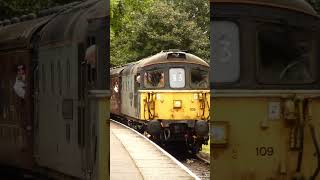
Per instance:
x=55, y=108
x=115, y=103
x=165, y=95
x=265, y=90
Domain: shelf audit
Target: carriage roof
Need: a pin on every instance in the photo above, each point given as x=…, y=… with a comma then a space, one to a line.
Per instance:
x=18, y=35
x=71, y=24
x=63, y=23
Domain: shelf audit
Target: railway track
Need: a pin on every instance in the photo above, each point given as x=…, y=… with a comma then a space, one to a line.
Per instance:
x=195, y=163
x=198, y=165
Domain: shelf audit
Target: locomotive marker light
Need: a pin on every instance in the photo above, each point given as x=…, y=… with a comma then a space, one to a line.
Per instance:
x=219, y=133
x=177, y=103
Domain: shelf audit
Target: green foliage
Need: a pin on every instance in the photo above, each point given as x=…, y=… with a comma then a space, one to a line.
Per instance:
x=143, y=28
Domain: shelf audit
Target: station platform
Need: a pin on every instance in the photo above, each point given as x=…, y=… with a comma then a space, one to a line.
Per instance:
x=135, y=157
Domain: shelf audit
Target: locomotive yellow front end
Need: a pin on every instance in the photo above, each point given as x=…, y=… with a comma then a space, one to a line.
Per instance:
x=175, y=99
x=265, y=90
x=175, y=105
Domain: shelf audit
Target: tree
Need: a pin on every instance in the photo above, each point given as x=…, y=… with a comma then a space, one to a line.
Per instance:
x=140, y=30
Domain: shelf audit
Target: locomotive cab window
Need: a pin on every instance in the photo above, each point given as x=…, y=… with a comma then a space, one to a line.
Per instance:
x=285, y=55
x=177, y=78
x=199, y=78
x=154, y=79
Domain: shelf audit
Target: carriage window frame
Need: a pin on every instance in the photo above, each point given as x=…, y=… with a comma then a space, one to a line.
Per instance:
x=185, y=77
x=236, y=47
x=199, y=68
x=269, y=25
x=162, y=70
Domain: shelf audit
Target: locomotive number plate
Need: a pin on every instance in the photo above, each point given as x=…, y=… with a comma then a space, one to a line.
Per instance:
x=264, y=151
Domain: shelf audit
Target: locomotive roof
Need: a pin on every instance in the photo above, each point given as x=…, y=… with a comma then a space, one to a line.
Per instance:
x=296, y=5
x=71, y=25
x=116, y=70
x=162, y=58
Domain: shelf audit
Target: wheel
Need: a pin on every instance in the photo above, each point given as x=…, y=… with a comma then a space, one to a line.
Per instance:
x=195, y=149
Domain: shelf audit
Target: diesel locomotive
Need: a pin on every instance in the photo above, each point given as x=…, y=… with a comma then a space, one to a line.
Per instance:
x=54, y=99
x=265, y=90
x=166, y=96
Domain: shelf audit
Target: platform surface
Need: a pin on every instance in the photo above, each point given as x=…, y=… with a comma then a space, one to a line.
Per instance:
x=133, y=157
x=122, y=166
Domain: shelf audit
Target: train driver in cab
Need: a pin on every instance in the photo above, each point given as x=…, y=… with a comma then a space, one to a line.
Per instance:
x=161, y=81
x=154, y=79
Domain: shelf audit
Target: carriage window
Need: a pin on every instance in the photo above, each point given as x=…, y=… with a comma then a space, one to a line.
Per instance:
x=199, y=78
x=285, y=55
x=177, y=78
x=154, y=79
x=225, y=62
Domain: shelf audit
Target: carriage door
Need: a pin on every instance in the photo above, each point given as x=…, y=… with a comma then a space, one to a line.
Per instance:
x=136, y=98
x=96, y=100
x=81, y=110
x=86, y=125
